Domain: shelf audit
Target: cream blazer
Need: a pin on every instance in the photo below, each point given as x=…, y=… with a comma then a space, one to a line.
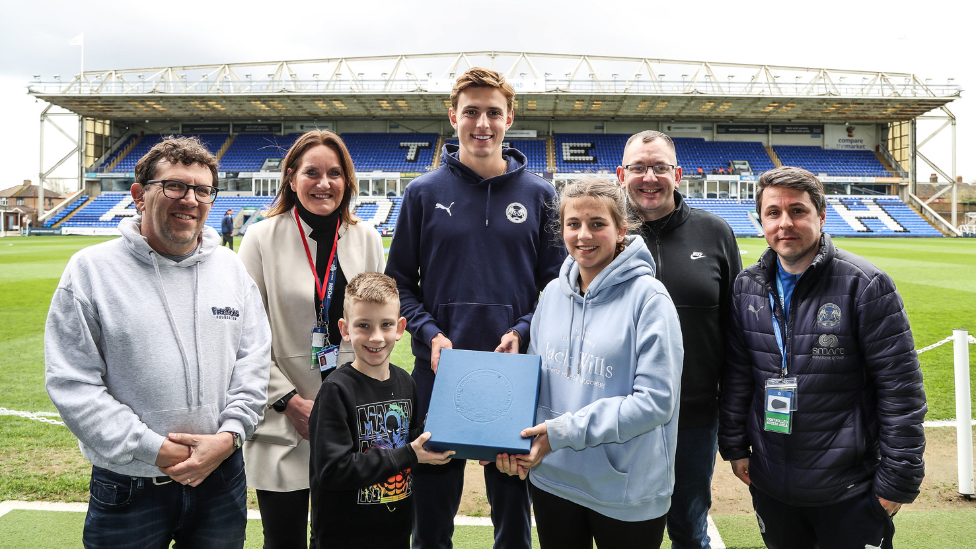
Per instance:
x=276, y=457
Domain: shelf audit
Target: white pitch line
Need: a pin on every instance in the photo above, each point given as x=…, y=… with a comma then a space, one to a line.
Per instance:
x=254, y=514
x=942, y=423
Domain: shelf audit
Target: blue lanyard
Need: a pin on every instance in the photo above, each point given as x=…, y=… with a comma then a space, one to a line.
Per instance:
x=324, y=312
x=776, y=329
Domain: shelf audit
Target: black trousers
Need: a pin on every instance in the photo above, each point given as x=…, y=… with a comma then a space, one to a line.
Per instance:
x=284, y=519
x=227, y=240
x=854, y=523
x=562, y=524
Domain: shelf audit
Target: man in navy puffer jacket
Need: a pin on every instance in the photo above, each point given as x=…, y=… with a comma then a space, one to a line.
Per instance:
x=851, y=453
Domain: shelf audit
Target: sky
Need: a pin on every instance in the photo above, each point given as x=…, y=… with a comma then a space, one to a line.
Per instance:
x=929, y=39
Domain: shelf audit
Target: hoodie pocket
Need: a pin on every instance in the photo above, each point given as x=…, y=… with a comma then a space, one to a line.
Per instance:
x=475, y=326
x=196, y=420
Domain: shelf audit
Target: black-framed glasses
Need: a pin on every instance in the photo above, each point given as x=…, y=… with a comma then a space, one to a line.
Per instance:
x=176, y=190
x=658, y=169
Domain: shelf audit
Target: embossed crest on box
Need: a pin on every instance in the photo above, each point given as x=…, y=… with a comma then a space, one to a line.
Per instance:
x=481, y=402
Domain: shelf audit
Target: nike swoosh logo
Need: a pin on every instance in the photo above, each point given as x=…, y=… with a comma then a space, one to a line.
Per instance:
x=697, y=255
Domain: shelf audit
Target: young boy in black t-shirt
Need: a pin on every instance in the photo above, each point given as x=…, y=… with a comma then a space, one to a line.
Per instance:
x=361, y=429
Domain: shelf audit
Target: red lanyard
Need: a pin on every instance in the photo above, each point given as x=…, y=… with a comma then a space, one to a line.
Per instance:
x=319, y=286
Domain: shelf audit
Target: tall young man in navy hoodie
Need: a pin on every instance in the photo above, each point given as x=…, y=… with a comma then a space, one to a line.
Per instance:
x=470, y=256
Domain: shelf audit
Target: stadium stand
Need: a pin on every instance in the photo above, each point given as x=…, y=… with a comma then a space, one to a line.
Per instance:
x=118, y=150
x=848, y=216
x=391, y=152
x=589, y=153
x=695, y=152
x=90, y=215
x=249, y=151
x=67, y=211
x=737, y=214
x=236, y=203
x=839, y=163
x=213, y=142
x=533, y=149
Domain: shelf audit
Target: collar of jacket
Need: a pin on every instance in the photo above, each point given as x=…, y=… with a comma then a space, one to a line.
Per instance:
x=515, y=159
x=680, y=214
x=767, y=271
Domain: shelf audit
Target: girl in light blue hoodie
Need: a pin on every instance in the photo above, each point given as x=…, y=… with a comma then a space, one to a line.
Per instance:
x=602, y=461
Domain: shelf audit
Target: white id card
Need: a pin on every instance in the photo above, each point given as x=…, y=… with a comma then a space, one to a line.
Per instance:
x=328, y=358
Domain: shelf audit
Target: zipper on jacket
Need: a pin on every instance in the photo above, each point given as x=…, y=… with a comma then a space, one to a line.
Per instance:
x=660, y=257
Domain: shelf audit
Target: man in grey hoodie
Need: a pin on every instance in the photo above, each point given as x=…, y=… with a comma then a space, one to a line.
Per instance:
x=157, y=352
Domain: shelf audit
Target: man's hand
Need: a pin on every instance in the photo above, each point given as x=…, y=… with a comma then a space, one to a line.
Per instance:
x=511, y=342
x=740, y=468
x=172, y=453
x=439, y=342
x=889, y=506
x=207, y=452
x=425, y=456
x=297, y=410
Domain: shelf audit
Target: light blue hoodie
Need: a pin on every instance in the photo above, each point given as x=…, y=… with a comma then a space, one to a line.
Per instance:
x=610, y=397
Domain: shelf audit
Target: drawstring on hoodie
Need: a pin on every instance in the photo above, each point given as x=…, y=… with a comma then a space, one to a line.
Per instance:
x=487, y=204
x=176, y=330
x=572, y=314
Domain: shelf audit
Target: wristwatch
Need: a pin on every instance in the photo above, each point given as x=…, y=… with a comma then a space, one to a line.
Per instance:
x=280, y=404
x=238, y=441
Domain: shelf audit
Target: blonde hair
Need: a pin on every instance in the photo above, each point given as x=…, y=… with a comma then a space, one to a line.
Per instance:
x=371, y=288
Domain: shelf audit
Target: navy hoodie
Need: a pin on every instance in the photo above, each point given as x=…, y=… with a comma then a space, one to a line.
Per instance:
x=470, y=255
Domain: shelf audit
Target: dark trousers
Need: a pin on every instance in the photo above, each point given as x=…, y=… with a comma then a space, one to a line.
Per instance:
x=437, y=493
x=227, y=240
x=284, y=519
x=562, y=524
x=694, y=463
x=136, y=513
x=854, y=523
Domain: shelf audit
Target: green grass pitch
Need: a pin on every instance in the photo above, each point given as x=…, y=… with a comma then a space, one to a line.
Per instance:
x=40, y=461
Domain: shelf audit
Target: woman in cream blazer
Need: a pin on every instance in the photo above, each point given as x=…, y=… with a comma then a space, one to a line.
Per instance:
x=276, y=457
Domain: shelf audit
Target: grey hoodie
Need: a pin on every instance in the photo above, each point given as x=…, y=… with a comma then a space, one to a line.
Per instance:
x=138, y=346
x=611, y=376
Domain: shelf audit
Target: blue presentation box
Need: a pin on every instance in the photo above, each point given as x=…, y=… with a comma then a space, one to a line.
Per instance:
x=481, y=402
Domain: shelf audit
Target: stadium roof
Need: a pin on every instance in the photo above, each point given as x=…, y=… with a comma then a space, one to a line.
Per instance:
x=547, y=86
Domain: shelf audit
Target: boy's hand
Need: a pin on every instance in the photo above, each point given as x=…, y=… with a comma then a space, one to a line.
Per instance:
x=425, y=456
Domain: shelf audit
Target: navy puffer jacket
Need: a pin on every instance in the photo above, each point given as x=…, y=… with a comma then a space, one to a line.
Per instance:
x=860, y=401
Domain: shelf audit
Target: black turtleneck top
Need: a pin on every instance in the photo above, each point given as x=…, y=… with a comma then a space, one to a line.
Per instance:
x=323, y=233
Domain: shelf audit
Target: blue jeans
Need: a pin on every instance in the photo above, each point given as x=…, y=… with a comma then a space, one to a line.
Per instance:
x=694, y=462
x=136, y=513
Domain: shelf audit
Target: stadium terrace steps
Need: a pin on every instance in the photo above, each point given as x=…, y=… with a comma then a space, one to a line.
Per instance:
x=437, y=154
x=774, y=157
x=120, y=152
x=68, y=211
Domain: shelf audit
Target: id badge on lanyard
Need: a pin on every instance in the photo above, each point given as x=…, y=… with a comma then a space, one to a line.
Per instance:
x=324, y=357
x=780, y=405
x=780, y=402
